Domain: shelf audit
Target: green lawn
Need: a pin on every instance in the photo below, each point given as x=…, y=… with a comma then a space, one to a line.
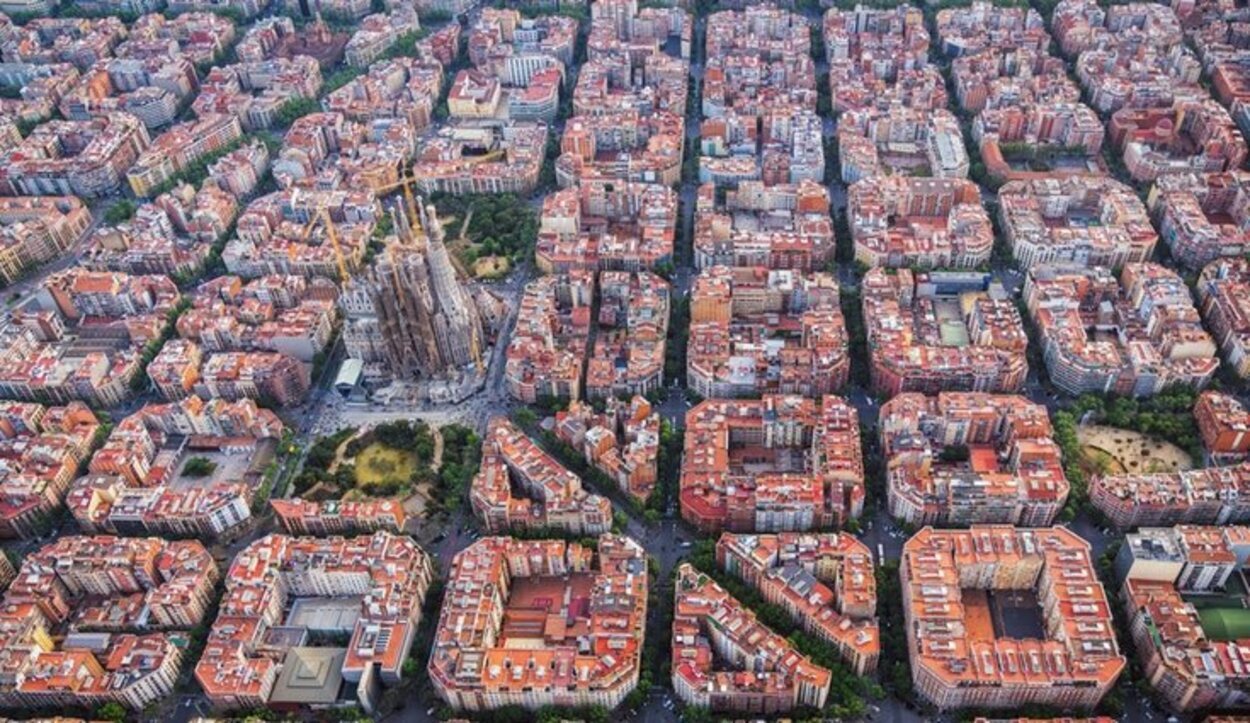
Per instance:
x=1225, y=623
x=378, y=463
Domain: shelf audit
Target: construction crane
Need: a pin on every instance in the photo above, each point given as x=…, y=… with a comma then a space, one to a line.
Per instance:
x=405, y=181
x=332, y=233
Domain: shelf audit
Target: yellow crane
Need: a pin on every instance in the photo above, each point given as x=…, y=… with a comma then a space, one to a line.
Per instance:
x=405, y=181
x=332, y=233
x=476, y=350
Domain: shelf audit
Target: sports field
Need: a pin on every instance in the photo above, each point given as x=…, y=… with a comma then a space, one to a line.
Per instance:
x=1225, y=623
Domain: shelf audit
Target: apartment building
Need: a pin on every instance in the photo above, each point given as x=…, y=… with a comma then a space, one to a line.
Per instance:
x=711, y=627
x=901, y=221
x=621, y=27
x=250, y=655
x=75, y=158
x=201, y=37
x=880, y=58
x=81, y=334
x=172, y=235
x=1224, y=423
x=255, y=92
x=780, y=463
x=1136, y=76
x=248, y=9
x=344, y=10
x=954, y=584
x=778, y=226
x=324, y=150
x=287, y=232
x=551, y=337
x=93, y=620
x=136, y=484
x=758, y=58
x=759, y=74
x=521, y=486
x=628, y=354
x=550, y=353
x=1224, y=298
x=150, y=88
x=80, y=41
x=42, y=449
x=1135, y=335
x=272, y=377
x=241, y=171
x=788, y=149
x=525, y=59
x=607, y=224
x=1227, y=65
x=481, y=158
x=291, y=315
x=376, y=33
x=1071, y=130
x=825, y=581
x=1161, y=569
x=406, y=88
x=1088, y=221
x=623, y=441
x=755, y=330
x=176, y=149
x=35, y=230
x=338, y=517
x=1212, y=496
x=1190, y=136
x=508, y=45
x=999, y=76
x=602, y=143
x=1080, y=25
x=900, y=140
x=941, y=331
x=1202, y=216
x=961, y=458
x=1129, y=57
x=492, y=648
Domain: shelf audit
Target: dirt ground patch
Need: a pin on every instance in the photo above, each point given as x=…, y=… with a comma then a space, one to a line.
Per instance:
x=378, y=463
x=491, y=267
x=1109, y=450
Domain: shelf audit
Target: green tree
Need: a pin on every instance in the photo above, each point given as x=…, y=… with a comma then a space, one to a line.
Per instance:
x=296, y=108
x=524, y=417
x=120, y=212
x=199, y=467
x=111, y=711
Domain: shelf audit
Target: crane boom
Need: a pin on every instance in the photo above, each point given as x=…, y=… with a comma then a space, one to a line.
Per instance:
x=331, y=233
x=405, y=182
